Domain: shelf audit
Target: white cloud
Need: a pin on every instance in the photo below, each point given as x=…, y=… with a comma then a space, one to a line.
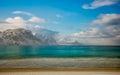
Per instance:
x=98, y=41
x=91, y=33
x=59, y=16
x=111, y=31
x=37, y=20
x=108, y=35
x=99, y=3
x=15, y=20
x=65, y=40
x=107, y=19
x=13, y=23
x=22, y=12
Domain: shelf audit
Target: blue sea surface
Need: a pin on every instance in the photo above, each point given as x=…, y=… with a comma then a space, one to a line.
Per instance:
x=59, y=51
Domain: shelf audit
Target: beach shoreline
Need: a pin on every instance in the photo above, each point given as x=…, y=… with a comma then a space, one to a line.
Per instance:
x=61, y=63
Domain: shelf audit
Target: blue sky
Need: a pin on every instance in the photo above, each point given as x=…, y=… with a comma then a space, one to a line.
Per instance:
x=65, y=16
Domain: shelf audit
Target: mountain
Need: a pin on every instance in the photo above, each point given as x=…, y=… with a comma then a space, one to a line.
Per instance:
x=46, y=35
x=19, y=36
x=74, y=43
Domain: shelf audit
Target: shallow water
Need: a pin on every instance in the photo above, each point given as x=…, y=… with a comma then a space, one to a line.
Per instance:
x=59, y=51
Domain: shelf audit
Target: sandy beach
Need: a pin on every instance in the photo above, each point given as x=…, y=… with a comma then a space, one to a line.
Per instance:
x=60, y=73
x=60, y=63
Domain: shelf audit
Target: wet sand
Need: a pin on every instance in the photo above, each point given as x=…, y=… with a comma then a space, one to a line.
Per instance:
x=61, y=63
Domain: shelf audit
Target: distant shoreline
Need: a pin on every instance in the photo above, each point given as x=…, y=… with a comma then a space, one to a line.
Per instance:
x=64, y=45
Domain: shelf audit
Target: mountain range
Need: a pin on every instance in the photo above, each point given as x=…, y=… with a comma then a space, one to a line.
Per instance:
x=23, y=36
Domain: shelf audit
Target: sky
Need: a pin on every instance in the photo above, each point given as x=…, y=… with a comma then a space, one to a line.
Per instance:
x=95, y=22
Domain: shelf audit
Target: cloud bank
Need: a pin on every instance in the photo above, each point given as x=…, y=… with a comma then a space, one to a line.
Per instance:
x=107, y=32
x=107, y=19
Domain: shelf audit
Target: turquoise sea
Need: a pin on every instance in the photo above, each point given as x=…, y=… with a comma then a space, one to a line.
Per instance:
x=59, y=51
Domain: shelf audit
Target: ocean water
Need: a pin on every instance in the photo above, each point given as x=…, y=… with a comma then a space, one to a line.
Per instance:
x=59, y=51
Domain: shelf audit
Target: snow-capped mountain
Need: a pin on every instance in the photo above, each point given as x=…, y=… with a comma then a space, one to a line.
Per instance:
x=46, y=35
x=19, y=37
